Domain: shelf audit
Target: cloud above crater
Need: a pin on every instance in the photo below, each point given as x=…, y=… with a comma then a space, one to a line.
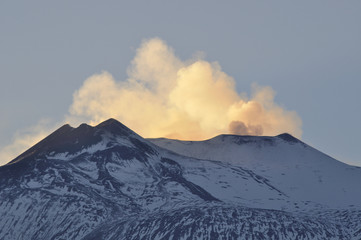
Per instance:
x=194, y=99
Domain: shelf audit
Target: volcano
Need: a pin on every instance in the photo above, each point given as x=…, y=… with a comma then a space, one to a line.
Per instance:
x=107, y=182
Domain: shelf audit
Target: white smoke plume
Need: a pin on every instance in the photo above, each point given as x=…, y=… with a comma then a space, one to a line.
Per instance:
x=167, y=97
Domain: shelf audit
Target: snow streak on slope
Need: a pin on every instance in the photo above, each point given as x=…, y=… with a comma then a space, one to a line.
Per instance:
x=107, y=182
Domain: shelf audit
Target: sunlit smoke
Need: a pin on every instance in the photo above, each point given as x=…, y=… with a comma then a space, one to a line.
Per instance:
x=167, y=97
x=25, y=138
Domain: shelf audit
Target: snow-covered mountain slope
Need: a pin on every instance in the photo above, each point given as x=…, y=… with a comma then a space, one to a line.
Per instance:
x=219, y=222
x=107, y=182
x=308, y=177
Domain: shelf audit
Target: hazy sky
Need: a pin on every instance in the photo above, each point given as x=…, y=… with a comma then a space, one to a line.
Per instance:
x=308, y=52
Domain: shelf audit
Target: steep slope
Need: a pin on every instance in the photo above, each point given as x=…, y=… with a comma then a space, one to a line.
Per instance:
x=77, y=178
x=107, y=182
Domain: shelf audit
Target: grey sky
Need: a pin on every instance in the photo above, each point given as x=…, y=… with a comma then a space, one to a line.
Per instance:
x=309, y=52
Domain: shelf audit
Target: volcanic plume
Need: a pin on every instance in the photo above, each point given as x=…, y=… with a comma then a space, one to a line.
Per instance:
x=167, y=97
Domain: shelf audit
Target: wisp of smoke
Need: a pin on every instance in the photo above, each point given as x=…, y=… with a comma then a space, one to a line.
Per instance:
x=190, y=100
x=25, y=138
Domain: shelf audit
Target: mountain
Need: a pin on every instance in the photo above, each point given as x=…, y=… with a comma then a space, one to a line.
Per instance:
x=107, y=182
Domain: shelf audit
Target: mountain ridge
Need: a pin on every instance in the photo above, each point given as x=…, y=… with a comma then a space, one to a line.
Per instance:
x=107, y=182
